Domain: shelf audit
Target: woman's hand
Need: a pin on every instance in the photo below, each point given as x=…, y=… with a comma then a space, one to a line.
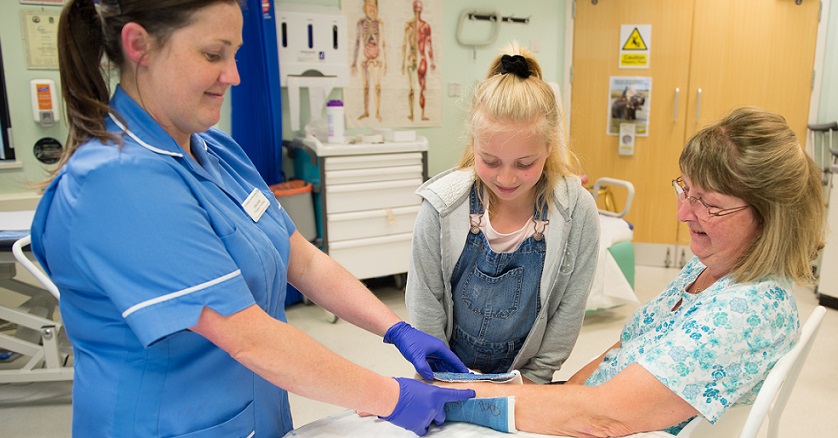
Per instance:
x=425, y=352
x=420, y=404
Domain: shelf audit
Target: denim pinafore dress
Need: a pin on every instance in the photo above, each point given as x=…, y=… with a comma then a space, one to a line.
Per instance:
x=496, y=296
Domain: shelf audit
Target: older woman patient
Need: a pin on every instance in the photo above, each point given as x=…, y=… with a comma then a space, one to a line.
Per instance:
x=753, y=203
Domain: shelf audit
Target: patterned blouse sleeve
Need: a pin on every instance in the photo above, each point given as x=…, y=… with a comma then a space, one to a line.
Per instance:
x=719, y=353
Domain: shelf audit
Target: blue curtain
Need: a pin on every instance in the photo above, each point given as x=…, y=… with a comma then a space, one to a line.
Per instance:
x=257, y=102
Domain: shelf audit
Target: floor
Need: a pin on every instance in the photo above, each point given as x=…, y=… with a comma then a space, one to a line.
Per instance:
x=43, y=409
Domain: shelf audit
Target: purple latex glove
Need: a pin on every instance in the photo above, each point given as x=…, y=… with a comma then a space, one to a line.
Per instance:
x=420, y=403
x=425, y=352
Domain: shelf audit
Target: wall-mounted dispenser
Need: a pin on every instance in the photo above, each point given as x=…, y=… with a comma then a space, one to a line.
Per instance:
x=44, y=101
x=312, y=46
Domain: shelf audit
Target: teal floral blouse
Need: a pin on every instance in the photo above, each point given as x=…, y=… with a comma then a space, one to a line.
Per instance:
x=716, y=349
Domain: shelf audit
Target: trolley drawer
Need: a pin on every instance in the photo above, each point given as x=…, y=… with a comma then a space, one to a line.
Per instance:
x=370, y=196
x=374, y=257
x=371, y=223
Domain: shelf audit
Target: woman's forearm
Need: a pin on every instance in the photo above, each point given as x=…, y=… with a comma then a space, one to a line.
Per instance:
x=292, y=360
x=332, y=287
x=631, y=402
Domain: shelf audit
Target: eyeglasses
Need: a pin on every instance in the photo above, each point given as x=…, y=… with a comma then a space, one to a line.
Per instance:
x=682, y=194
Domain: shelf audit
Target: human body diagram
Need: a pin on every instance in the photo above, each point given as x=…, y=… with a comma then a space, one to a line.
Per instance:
x=370, y=34
x=417, y=50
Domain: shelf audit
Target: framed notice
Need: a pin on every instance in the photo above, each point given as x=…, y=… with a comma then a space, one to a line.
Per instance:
x=40, y=38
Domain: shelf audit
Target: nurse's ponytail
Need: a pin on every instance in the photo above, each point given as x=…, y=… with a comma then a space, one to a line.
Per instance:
x=83, y=85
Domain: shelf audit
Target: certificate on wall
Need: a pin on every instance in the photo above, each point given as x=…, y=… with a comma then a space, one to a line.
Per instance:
x=40, y=37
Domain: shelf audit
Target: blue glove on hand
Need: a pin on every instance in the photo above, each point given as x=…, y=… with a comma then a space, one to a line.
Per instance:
x=425, y=352
x=420, y=403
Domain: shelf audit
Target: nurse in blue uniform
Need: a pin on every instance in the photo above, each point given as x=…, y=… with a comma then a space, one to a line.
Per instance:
x=172, y=256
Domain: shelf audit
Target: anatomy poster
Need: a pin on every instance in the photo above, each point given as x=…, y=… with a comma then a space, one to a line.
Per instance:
x=629, y=100
x=394, y=63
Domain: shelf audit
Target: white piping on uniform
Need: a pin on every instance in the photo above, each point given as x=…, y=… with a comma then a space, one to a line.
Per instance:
x=142, y=143
x=180, y=293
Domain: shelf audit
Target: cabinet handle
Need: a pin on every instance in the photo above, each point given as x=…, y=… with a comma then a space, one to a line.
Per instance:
x=698, y=107
x=675, y=114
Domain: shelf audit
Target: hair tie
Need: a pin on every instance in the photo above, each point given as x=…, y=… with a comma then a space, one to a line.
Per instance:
x=111, y=7
x=514, y=64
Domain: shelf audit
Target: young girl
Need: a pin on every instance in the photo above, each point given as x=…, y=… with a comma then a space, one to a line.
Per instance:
x=505, y=245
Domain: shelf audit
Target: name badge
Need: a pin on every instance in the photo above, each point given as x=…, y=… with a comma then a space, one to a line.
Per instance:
x=256, y=204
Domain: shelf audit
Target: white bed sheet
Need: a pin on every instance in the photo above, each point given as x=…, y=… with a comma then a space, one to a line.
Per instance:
x=610, y=287
x=350, y=424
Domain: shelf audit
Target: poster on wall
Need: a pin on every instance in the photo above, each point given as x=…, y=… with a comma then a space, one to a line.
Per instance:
x=635, y=45
x=394, y=57
x=629, y=101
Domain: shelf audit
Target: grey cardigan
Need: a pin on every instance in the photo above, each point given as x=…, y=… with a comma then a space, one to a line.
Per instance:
x=439, y=237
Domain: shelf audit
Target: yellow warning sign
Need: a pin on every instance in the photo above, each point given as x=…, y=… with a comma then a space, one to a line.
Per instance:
x=634, y=59
x=635, y=45
x=635, y=41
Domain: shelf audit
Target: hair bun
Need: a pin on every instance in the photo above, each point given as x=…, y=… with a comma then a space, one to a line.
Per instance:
x=515, y=64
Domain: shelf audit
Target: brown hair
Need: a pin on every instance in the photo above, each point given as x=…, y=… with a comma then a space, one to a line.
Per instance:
x=88, y=36
x=510, y=97
x=752, y=154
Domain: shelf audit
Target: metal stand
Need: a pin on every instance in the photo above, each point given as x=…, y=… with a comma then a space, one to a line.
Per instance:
x=826, y=155
x=37, y=336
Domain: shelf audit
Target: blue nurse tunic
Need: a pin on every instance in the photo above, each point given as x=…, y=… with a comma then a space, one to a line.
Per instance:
x=139, y=238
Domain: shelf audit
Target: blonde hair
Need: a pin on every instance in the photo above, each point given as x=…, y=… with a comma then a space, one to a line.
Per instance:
x=752, y=154
x=507, y=97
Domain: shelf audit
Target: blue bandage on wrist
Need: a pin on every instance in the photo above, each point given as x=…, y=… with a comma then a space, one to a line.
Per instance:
x=497, y=413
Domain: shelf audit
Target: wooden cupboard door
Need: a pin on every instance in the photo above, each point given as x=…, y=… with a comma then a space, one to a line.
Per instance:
x=752, y=52
x=596, y=44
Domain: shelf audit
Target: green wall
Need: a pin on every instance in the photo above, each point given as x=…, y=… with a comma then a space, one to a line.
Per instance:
x=465, y=66
x=546, y=30
x=25, y=132
x=458, y=64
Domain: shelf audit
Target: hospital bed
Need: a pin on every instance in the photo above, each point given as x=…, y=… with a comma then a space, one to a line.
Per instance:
x=33, y=346
x=613, y=282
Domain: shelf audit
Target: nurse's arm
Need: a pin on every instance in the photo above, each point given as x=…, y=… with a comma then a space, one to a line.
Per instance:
x=332, y=287
x=292, y=360
x=631, y=402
